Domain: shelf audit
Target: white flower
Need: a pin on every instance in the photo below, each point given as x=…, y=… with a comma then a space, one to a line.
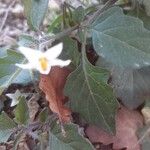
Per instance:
x=43, y=61
x=15, y=97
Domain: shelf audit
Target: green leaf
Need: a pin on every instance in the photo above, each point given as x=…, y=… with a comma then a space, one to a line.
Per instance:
x=131, y=86
x=70, y=50
x=35, y=11
x=22, y=112
x=3, y=51
x=28, y=41
x=141, y=14
x=121, y=40
x=73, y=140
x=123, y=45
x=43, y=115
x=6, y=127
x=10, y=73
x=57, y=22
x=91, y=96
x=78, y=14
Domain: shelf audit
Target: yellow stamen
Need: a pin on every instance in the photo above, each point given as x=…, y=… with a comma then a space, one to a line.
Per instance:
x=43, y=63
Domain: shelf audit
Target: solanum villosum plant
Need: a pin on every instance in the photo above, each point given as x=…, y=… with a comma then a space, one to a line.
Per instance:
x=91, y=63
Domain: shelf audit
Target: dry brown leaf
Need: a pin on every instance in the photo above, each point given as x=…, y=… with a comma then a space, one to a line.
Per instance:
x=33, y=107
x=127, y=123
x=2, y=147
x=52, y=85
x=23, y=146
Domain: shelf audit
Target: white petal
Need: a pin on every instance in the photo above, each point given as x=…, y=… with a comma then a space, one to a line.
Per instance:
x=14, y=102
x=29, y=53
x=59, y=62
x=25, y=66
x=54, y=51
x=14, y=98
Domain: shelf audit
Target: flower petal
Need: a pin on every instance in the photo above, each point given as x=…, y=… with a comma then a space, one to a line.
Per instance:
x=54, y=51
x=25, y=66
x=30, y=54
x=59, y=62
x=14, y=102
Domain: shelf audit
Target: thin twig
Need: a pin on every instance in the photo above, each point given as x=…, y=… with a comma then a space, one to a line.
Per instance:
x=6, y=15
x=48, y=39
x=101, y=10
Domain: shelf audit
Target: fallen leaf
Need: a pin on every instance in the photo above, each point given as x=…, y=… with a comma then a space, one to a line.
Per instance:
x=52, y=85
x=23, y=146
x=33, y=107
x=127, y=123
x=3, y=147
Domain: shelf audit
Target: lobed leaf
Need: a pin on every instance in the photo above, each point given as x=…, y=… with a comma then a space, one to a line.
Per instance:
x=73, y=139
x=123, y=45
x=122, y=40
x=91, y=96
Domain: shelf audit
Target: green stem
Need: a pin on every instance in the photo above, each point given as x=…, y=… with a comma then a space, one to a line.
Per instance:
x=46, y=40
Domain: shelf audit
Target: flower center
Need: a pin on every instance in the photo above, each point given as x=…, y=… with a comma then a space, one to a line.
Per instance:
x=43, y=63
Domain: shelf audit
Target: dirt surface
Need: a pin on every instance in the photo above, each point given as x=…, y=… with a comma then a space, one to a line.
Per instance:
x=12, y=22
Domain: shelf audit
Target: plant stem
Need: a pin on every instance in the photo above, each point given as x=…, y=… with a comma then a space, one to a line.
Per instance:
x=101, y=10
x=48, y=39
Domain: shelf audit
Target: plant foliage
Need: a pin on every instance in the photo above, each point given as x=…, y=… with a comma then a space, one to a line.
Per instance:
x=109, y=49
x=91, y=95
